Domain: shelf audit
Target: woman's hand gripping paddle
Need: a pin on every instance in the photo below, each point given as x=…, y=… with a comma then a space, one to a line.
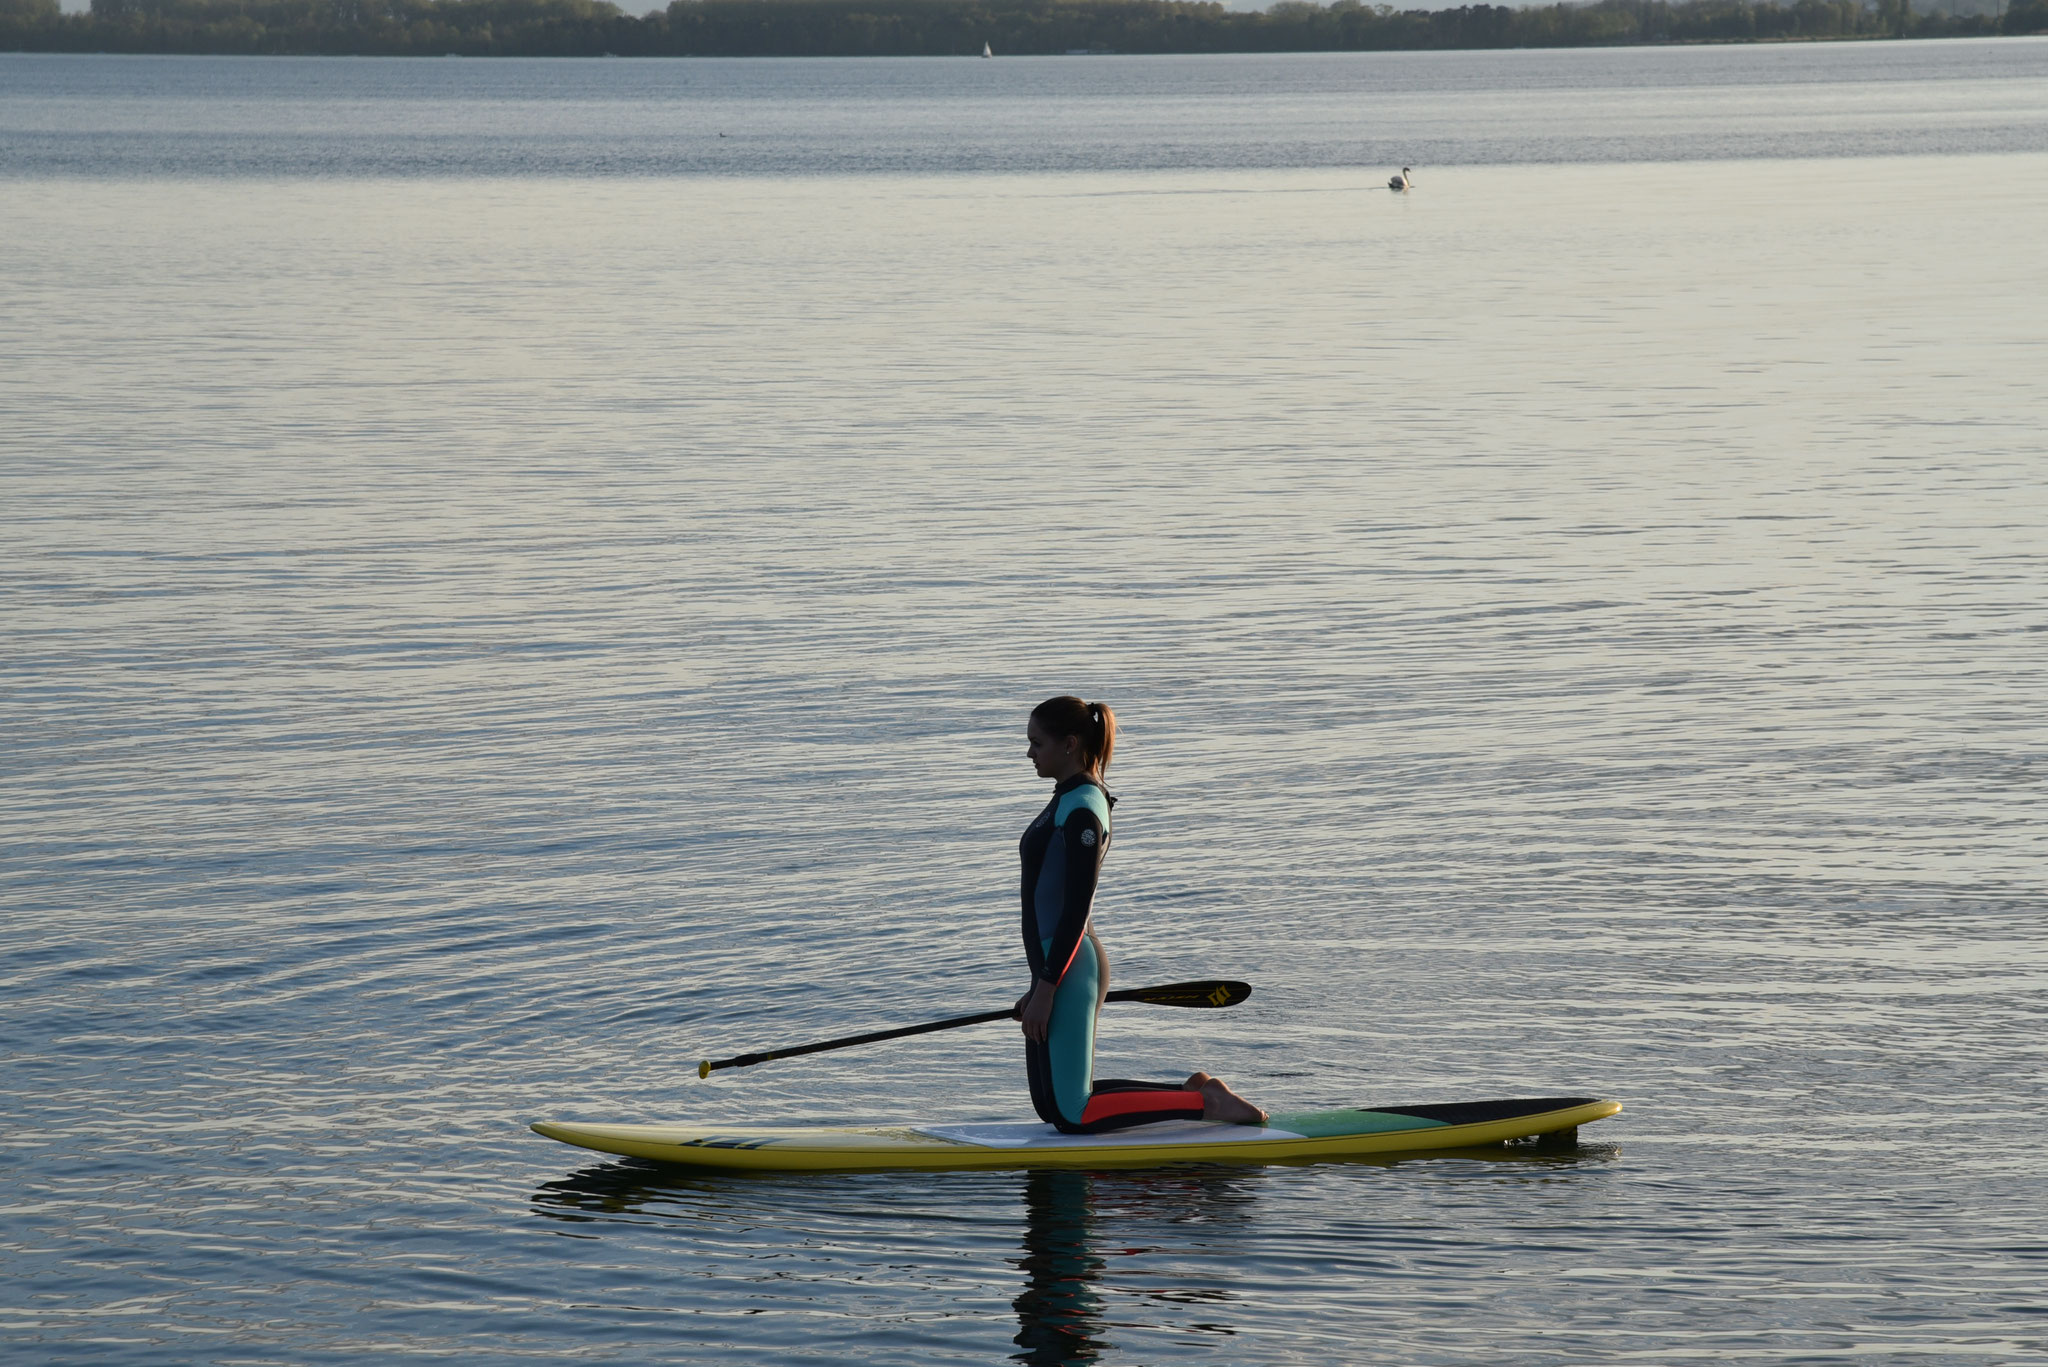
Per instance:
x=1209, y=993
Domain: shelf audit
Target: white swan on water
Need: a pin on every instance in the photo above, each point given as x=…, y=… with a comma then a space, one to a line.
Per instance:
x=1401, y=182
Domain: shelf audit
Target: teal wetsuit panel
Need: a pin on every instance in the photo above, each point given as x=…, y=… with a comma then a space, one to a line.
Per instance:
x=1070, y=1035
x=1087, y=795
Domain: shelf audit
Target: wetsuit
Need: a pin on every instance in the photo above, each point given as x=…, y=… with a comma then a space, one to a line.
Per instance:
x=1063, y=851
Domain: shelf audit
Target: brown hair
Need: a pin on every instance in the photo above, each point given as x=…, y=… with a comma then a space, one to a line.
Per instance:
x=1092, y=723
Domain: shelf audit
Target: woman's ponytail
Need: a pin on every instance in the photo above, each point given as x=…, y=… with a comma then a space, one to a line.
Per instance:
x=1105, y=735
x=1092, y=723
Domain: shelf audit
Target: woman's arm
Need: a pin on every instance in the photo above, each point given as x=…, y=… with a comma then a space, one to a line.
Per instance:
x=1034, y=954
x=1084, y=841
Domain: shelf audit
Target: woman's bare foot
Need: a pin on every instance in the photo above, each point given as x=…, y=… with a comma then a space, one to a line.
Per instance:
x=1225, y=1107
x=1197, y=1080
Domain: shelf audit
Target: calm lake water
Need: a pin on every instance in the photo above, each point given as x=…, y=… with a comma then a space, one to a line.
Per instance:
x=505, y=592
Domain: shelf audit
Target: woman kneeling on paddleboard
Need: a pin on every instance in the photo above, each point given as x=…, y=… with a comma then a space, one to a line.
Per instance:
x=1070, y=742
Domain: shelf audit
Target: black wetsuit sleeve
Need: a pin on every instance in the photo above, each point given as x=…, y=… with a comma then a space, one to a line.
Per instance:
x=1084, y=839
x=1033, y=955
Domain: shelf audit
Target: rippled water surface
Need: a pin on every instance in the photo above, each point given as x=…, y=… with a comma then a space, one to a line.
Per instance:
x=474, y=643
x=323, y=116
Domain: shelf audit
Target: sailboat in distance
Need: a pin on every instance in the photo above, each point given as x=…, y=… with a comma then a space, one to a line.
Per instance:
x=985, y=51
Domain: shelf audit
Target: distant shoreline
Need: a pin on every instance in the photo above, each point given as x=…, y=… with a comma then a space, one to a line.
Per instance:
x=908, y=28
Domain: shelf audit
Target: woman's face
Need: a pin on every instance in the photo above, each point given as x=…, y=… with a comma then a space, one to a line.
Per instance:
x=1054, y=757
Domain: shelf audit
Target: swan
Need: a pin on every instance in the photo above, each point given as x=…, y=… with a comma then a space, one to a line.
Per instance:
x=1400, y=182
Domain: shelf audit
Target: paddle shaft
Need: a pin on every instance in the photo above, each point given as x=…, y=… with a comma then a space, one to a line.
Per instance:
x=875, y=1037
x=1205, y=994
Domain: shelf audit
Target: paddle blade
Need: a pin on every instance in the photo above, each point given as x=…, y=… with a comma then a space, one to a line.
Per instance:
x=1210, y=992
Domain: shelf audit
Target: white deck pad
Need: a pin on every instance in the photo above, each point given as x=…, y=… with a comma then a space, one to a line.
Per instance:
x=1042, y=1136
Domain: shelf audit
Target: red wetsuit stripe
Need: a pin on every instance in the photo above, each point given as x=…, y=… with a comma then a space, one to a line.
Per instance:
x=1165, y=1105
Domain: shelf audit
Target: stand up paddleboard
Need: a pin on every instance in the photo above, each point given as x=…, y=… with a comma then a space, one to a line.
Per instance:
x=1305, y=1135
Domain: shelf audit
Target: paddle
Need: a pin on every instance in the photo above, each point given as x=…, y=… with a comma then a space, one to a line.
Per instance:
x=1208, y=993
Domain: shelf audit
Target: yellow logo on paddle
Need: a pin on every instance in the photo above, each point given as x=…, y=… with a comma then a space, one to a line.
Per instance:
x=1220, y=997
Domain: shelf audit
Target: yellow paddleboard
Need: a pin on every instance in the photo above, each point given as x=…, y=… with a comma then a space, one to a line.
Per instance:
x=1292, y=1137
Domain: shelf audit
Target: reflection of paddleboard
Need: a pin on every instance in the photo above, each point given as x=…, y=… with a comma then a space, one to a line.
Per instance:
x=1303, y=1135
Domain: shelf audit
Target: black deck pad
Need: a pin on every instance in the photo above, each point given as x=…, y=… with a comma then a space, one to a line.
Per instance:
x=1478, y=1112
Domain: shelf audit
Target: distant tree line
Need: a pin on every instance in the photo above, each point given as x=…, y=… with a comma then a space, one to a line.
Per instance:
x=765, y=28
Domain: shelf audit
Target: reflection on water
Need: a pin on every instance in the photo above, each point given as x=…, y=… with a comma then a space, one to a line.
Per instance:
x=593, y=1194
x=1059, y=1311
x=1087, y=1238
x=1078, y=1227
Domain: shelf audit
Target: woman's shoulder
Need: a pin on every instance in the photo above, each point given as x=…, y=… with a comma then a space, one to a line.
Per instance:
x=1089, y=795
